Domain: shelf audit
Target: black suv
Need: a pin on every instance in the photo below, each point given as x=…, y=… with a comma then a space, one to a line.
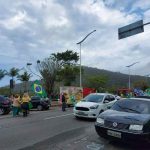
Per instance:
x=5, y=105
x=40, y=103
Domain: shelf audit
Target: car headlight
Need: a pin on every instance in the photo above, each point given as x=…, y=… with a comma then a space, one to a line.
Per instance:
x=94, y=107
x=136, y=127
x=100, y=120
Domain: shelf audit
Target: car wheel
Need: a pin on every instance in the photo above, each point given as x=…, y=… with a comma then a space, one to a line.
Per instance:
x=77, y=117
x=47, y=108
x=39, y=107
x=2, y=111
x=6, y=111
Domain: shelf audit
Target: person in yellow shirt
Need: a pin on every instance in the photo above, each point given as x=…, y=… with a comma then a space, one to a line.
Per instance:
x=16, y=105
x=25, y=104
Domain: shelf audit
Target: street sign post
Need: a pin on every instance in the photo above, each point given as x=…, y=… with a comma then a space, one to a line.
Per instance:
x=131, y=29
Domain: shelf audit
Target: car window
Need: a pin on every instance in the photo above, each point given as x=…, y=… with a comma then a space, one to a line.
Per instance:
x=94, y=98
x=107, y=98
x=133, y=106
x=35, y=98
x=112, y=98
x=147, y=97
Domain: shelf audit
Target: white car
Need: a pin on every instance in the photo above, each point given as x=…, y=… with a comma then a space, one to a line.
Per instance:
x=94, y=104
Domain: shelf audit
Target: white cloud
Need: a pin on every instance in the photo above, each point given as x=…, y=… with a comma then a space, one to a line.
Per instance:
x=106, y=16
x=32, y=30
x=18, y=20
x=142, y=4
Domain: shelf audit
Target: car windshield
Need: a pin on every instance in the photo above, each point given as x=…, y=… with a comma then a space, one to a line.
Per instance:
x=94, y=98
x=133, y=106
x=147, y=97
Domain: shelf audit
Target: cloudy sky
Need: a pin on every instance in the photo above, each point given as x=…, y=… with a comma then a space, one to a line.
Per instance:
x=33, y=29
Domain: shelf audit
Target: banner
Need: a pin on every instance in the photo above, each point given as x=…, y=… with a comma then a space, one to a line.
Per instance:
x=72, y=94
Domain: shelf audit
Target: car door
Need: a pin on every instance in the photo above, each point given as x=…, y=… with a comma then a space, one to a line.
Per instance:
x=106, y=102
x=35, y=102
x=109, y=101
x=112, y=100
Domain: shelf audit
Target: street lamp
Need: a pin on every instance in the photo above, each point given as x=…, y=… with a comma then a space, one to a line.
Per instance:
x=80, y=55
x=129, y=72
x=28, y=66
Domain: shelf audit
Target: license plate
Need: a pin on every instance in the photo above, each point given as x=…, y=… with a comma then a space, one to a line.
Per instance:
x=114, y=133
x=81, y=113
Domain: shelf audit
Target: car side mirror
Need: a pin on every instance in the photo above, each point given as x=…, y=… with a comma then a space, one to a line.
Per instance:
x=106, y=101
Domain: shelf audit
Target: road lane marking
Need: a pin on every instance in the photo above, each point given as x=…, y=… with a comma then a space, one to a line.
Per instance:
x=58, y=116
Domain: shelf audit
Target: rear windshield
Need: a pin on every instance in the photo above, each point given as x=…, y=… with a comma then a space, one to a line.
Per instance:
x=133, y=106
x=94, y=98
x=35, y=98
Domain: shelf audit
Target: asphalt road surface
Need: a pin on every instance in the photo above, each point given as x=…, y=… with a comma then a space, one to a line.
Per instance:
x=53, y=130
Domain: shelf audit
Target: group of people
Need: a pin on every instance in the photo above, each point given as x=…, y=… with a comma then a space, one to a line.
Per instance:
x=20, y=104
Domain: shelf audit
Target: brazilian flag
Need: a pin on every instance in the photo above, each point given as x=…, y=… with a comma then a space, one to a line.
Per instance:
x=38, y=89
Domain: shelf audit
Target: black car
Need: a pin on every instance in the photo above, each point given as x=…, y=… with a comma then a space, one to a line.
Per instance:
x=5, y=105
x=40, y=103
x=127, y=120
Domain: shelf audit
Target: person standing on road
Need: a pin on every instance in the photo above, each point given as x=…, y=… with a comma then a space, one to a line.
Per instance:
x=16, y=105
x=63, y=102
x=25, y=104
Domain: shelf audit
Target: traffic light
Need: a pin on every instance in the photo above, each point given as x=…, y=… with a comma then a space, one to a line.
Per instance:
x=11, y=84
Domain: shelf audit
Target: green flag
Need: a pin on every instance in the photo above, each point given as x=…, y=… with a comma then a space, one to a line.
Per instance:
x=38, y=89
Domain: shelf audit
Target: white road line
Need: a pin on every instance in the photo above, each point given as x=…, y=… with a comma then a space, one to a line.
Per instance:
x=58, y=116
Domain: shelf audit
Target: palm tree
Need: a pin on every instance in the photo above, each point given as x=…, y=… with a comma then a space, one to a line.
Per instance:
x=13, y=72
x=2, y=73
x=25, y=77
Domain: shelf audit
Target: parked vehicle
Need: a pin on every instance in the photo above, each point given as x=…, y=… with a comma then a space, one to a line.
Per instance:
x=5, y=105
x=128, y=120
x=40, y=103
x=94, y=104
x=143, y=96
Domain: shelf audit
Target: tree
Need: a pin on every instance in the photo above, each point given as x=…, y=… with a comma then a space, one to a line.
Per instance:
x=97, y=82
x=13, y=72
x=67, y=62
x=68, y=74
x=66, y=58
x=25, y=77
x=2, y=73
x=58, y=67
x=4, y=91
x=48, y=69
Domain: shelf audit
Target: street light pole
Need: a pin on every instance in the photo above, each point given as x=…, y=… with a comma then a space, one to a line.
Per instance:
x=80, y=55
x=29, y=64
x=129, y=72
x=80, y=68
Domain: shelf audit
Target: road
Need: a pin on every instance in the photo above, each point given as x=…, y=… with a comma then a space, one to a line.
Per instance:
x=52, y=130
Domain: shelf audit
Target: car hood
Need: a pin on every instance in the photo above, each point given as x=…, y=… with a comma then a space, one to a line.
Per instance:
x=125, y=117
x=86, y=104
